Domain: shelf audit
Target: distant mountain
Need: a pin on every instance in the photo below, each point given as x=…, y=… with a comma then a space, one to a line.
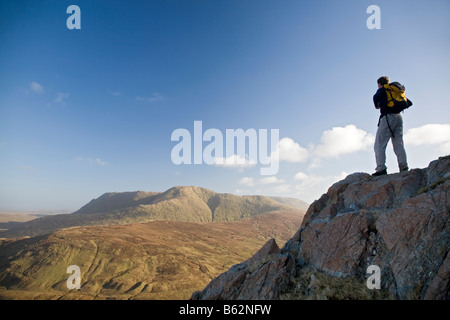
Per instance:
x=292, y=202
x=111, y=201
x=184, y=204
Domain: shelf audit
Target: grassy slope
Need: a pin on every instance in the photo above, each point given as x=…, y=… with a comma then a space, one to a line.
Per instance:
x=152, y=260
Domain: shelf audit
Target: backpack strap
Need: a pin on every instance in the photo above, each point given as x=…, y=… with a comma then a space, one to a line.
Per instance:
x=389, y=126
x=387, y=121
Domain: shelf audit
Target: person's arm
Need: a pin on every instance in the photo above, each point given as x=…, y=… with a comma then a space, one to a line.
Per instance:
x=376, y=102
x=379, y=98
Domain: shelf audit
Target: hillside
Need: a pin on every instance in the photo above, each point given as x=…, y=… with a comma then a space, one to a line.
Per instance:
x=150, y=260
x=399, y=223
x=185, y=204
x=11, y=219
x=292, y=202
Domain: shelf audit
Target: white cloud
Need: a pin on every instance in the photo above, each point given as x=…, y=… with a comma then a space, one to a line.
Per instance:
x=282, y=189
x=301, y=176
x=36, y=87
x=315, y=163
x=314, y=179
x=60, y=98
x=155, y=97
x=100, y=162
x=334, y=142
x=91, y=161
x=430, y=134
x=247, y=181
x=343, y=140
x=307, y=181
x=445, y=148
x=271, y=180
x=310, y=186
x=234, y=161
x=291, y=151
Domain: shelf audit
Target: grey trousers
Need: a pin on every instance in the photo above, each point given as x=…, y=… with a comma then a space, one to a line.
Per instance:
x=384, y=135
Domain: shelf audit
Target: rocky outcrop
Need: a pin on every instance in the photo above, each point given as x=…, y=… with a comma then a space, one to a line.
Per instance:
x=398, y=222
x=270, y=273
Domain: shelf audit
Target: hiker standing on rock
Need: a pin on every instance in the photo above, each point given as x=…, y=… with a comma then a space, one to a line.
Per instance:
x=390, y=99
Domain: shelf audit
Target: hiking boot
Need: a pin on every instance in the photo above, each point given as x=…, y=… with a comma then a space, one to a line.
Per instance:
x=404, y=169
x=379, y=173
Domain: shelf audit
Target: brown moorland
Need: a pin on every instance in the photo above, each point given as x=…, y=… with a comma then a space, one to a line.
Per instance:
x=148, y=260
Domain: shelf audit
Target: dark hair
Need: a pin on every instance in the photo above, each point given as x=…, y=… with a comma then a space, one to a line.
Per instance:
x=383, y=80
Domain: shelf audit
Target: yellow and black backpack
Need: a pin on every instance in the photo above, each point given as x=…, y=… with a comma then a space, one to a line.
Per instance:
x=396, y=98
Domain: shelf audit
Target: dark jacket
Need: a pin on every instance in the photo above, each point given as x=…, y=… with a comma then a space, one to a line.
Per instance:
x=380, y=101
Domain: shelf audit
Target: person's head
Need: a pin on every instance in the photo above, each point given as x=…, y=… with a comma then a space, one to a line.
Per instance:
x=382, y=81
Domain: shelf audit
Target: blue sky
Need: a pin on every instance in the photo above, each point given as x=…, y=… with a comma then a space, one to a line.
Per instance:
x=88, y=111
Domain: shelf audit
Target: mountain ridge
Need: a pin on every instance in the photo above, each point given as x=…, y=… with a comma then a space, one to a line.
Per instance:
x=181, y=203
